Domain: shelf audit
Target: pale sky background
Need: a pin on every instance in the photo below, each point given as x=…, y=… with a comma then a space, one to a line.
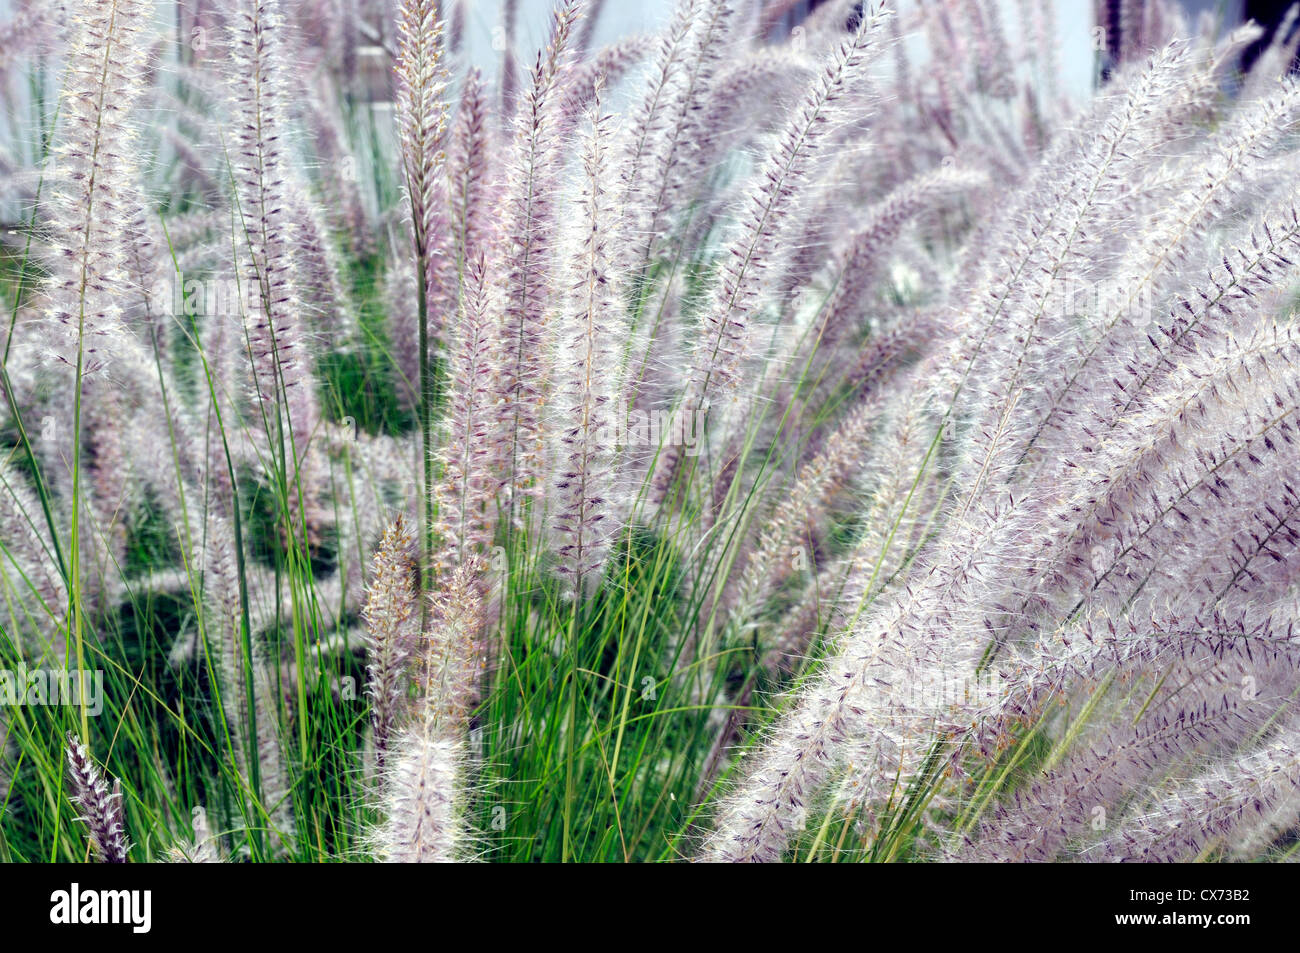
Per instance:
x=621, y=17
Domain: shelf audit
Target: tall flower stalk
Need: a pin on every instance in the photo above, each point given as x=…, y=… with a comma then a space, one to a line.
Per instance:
x=524, y=275
x=422, y=122
x=92, y=205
